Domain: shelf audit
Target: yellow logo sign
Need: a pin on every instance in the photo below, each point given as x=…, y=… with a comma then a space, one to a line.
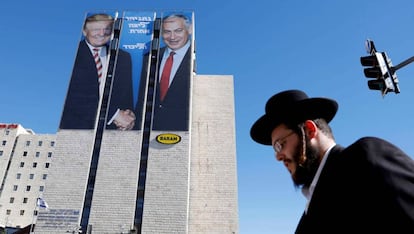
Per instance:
x=168, y=138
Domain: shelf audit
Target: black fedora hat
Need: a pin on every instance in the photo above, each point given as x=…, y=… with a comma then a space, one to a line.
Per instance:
x=290, y=107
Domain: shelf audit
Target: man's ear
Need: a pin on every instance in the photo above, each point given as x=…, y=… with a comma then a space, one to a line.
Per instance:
x=310, y=128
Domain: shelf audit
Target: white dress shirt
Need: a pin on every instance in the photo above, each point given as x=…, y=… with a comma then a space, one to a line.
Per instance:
x=178, y=57
x=308, y=191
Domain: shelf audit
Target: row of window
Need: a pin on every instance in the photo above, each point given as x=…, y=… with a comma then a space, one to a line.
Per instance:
x=31, y=176
x=29, y=188
x=49, y=154
x=34, y=165
x=39, y=143
x=25, y=199
x=8, y=212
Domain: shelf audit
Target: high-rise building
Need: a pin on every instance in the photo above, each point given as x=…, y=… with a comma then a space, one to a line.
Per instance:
x=25, y=160
x=134, y=154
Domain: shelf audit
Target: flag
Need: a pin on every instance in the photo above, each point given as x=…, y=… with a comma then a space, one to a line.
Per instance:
x=42, y=203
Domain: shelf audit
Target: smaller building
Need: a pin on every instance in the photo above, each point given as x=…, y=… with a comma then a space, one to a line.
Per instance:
x=25, y=159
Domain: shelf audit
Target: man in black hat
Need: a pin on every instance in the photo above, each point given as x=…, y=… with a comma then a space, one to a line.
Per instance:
x=367, y=187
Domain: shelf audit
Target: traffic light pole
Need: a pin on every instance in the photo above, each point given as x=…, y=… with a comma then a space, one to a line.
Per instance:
x=403, y=63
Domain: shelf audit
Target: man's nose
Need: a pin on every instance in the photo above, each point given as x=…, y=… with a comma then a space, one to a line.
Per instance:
x=172, y=36
x=279, y=156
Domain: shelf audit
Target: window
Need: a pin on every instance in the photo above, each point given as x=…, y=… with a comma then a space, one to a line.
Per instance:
x=40, y=143
x=21, y=164
x=31, y=176
x=41, y=188
x=1, y=152
x=52, y=143
x=28, y=187
x=47, y=165
x=25, y=200
x=25, y=153
x=21, y=212
x=8, y=212
x=7, y=132
x=27, y=143
x=18, y=176
x=15, y=187
x=49, y=154
x=37, y=154
x=12, y=200
x=44, y=176
x=34, y=164
x=3, y=143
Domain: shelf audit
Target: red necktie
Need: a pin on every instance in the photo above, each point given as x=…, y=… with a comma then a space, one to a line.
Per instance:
x=165, y=76
x=97, y=61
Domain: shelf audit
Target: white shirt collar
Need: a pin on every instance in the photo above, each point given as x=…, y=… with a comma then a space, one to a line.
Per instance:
x=308, y=191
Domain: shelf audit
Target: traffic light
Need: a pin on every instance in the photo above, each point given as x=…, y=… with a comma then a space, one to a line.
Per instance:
x=377, y=69
x=379, y=66
x=376, y=65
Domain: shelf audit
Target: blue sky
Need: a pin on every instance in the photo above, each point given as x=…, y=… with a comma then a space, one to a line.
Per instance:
x=268, y=46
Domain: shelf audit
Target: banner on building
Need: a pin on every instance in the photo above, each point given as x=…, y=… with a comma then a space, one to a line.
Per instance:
x=129, y=40
x=171, y=111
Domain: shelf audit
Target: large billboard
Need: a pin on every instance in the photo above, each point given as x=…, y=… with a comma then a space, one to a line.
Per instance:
x=128, y=41
x=171, y=110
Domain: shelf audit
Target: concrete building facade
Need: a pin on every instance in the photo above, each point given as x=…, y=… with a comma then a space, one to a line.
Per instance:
x=191, y=186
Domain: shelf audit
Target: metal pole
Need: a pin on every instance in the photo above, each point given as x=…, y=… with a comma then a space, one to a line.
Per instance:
x=403, y=63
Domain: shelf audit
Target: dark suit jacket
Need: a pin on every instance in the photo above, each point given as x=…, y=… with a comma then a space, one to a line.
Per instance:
x=367, y=187
x=173, y=112
x=81, y=104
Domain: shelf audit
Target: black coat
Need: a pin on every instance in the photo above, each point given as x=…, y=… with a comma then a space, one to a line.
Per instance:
x=367, y=187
